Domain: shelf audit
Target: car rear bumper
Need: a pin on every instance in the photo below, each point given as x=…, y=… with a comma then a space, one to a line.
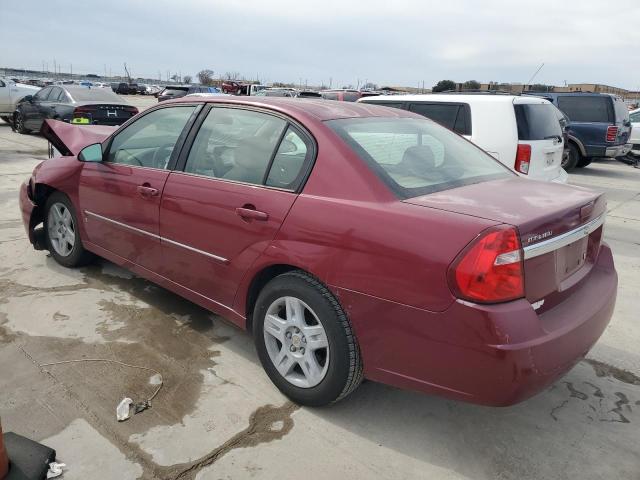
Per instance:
x=487, y=354
x=618, y=150
x=562, y=177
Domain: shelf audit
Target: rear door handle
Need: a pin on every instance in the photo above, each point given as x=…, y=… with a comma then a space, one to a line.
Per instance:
x=147, y=190
x=249, y=213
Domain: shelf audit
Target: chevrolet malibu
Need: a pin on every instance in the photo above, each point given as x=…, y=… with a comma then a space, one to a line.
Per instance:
x=352, y=241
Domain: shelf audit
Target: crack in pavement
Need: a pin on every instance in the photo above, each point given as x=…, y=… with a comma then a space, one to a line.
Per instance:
x=555, y=409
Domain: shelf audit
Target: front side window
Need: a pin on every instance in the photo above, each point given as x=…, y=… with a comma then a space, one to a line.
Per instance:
x=586, y=108
x=415, y=157
x=149, y=141
x=635, y=117
x=43, y=94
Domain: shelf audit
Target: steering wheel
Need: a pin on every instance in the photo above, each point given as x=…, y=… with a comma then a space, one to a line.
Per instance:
x=167, y=149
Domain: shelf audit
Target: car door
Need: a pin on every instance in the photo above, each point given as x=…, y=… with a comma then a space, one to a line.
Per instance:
x=49, y=107
x=30, y=110
x=239, y=181
x=5, y=97
x=120, y=196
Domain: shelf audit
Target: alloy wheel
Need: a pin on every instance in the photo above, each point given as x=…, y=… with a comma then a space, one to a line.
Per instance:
x=296, y=342
x=61, y=229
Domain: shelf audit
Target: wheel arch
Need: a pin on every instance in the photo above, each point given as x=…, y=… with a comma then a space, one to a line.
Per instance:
x=578, y=144
x=258, y=282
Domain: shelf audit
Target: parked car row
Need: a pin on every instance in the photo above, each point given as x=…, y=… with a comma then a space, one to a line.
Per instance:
x=356, y=241
x=71, y=104
x=537, y=139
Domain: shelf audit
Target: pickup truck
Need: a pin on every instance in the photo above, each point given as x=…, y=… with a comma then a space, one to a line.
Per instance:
x=10, y=94
x=599, y=125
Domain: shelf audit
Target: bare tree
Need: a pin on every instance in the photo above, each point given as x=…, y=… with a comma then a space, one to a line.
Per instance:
x=232, y=75
x=205, y=77
x=187, y=79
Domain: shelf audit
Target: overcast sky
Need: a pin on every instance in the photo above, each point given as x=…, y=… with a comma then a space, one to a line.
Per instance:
x=388, y=42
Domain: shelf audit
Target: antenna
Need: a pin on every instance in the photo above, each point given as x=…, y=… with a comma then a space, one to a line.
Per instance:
x=532, y=77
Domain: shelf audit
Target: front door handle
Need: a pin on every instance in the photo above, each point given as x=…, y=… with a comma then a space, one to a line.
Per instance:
x=249, y=213
x=146, y=190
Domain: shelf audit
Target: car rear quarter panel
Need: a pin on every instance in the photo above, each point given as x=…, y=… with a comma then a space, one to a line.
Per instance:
x=350, y=231
x=494, y=130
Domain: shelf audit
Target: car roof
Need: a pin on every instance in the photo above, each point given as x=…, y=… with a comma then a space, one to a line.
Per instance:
x=319, y=109
x=453, y=98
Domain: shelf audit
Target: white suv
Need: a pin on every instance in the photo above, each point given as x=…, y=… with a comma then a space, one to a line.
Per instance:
x=523, y=133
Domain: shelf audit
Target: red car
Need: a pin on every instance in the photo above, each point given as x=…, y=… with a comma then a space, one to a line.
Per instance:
x=351, y=240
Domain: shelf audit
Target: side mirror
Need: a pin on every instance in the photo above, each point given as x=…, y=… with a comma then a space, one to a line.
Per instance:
x=92, y=153
x=28, y=98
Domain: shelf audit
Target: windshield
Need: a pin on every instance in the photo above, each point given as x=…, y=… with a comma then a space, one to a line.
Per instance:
x=417, y=156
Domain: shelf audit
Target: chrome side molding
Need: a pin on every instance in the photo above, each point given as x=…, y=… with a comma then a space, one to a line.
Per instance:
x=563, y=240
x=157, y=237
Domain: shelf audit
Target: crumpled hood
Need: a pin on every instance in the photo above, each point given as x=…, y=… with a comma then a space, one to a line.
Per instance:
x=70, y=139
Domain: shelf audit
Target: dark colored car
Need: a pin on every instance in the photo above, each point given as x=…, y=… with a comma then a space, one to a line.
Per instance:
x=599, y=125
x=176, y=91
x=341, y=95
x=79, y=105
x=351, y=240
x=122, y=88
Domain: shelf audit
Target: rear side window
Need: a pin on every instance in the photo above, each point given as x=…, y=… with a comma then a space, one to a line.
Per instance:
x=330, y=95
x=243, y=145
x=537, y=121
x=622, y=112
x=399, y=105
x=454, y=116
x=586, y=108
x=350, y=96
x=415, y=157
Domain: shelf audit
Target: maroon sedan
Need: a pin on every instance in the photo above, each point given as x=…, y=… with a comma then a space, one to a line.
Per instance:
x=351, y=240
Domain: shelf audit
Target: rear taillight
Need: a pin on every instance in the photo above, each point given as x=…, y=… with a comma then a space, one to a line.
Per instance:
x=132, y=110
x=612, y=133
x=490, y=269
x=79, y=111
x=523, y=158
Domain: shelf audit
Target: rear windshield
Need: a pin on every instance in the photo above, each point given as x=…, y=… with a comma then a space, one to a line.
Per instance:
x=537, y=121
x=94, y=94
x=586, y=108
x=416, y=156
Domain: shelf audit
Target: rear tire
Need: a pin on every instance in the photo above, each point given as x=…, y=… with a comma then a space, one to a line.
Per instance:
x=584, y=162
x=573, y=158
x=309, y=337
x=62, y=234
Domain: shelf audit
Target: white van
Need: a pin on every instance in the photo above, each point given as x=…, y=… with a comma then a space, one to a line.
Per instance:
x=523, y=133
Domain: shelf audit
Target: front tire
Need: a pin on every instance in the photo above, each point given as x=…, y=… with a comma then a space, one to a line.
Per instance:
x=305, y=341
x=584, y=162
x=18, y=122
x=62, y=233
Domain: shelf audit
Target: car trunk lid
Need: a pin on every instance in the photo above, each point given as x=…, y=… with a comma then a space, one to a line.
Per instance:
x=560, y=228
